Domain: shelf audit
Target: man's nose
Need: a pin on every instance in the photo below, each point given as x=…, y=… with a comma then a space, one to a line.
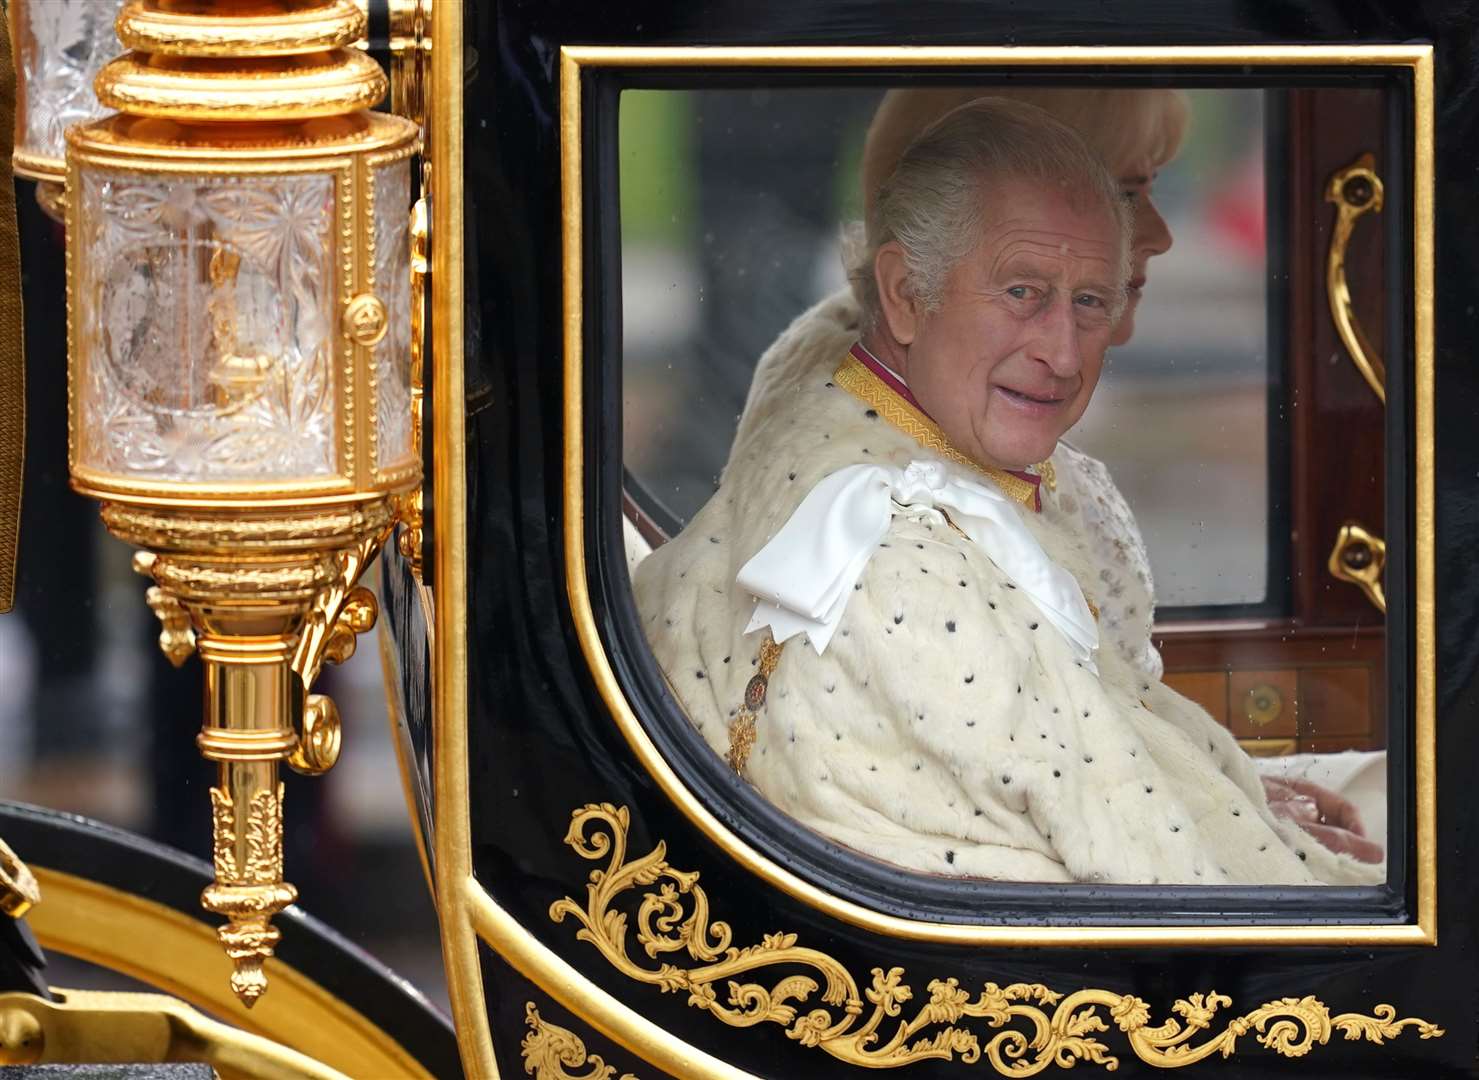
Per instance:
x=1056, y=341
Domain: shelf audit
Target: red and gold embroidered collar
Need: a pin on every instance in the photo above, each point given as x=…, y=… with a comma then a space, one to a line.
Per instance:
x=864, y=375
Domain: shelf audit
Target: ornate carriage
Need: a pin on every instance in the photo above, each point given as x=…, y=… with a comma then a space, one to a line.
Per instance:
x=304, y=334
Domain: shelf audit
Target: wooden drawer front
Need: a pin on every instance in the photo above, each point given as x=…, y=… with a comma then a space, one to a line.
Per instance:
x=1315, y=709
x=1263, y=704
x=1207, y=688
x=1270, y=747
x=1335, y=701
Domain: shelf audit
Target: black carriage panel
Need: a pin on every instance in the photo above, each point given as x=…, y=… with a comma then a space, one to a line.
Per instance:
x=618, y=860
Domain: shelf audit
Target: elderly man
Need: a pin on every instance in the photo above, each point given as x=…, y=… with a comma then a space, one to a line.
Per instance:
x=872, y=621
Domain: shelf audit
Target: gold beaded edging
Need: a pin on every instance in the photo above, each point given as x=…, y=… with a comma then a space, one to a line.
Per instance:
x=869, y=1028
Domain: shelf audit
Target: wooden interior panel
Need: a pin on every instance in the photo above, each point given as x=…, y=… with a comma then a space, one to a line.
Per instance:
x=1332, y=679
x=1335, y=701
x=1207, y=688
x=1336, y=421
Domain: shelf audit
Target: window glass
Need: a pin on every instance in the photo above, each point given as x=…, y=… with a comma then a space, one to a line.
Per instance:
x=1197, y=474
x=1105, y=310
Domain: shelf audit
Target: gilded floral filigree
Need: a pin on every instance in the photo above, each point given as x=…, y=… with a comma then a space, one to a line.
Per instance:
x=1039, y=1028
x=551, y=1051
x=263, y=849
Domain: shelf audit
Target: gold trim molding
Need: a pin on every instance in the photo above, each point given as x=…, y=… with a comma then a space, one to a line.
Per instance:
x=457, y=891
x=1415, y=59
x=872, y=1028
x=551, y=1051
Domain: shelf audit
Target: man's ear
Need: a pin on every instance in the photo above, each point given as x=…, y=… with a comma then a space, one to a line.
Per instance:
x=900, y=310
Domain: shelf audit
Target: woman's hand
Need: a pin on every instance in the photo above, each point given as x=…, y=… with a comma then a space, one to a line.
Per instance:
x=1328, y=817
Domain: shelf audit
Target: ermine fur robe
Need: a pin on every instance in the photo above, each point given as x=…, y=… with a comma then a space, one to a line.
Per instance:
x=947, y=727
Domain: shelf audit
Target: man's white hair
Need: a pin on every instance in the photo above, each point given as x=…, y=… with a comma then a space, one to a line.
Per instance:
x=944, y=190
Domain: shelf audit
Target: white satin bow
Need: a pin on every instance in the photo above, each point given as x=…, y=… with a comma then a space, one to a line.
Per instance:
x=802, y=579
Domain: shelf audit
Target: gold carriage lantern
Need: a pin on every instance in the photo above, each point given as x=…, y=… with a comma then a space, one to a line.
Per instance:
x=239, y=294
x=60, y=47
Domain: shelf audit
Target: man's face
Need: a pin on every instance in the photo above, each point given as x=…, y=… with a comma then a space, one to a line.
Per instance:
x=1008, y=362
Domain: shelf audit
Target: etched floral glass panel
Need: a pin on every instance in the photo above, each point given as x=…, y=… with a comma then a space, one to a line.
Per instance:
x=61, y=47
x=205, y=307
x=393, y=286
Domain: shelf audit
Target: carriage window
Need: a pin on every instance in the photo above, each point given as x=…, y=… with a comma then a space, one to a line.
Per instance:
x=997, y=453
x=723, y=248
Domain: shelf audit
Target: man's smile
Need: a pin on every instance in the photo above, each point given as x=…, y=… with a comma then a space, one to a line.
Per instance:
x=1038, y=403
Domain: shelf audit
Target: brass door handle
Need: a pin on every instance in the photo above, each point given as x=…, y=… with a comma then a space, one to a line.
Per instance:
x=1359, y=558
x=1354, y=190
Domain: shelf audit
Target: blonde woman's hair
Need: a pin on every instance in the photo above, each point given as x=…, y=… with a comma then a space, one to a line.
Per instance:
x=936, y=200
x=1124, y=127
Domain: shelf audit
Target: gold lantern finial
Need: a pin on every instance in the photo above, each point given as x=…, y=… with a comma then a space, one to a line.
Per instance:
x=240, y=294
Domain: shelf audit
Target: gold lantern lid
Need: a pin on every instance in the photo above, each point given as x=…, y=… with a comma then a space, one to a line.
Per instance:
x=280, y=61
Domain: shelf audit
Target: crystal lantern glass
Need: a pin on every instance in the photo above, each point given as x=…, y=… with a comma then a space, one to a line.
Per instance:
x=60, y=47
x=241, y=332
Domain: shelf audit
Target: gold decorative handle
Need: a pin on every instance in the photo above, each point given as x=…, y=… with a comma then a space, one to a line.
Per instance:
x=1354, y=190
x=1359, y=558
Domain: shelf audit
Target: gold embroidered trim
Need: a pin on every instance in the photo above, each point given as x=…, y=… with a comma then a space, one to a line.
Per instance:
x=1023, y=1029
x=742, y=729
x=853, y=376
x=1049, y=473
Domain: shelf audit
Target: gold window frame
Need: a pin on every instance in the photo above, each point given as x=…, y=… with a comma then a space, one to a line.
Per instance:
x=575, y=60
x=470, y=915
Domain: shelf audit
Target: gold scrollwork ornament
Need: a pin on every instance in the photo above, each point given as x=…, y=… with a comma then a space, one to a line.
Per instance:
x=551, y=1051
x=176, y=635
x=869, y=1028
x=19, y=892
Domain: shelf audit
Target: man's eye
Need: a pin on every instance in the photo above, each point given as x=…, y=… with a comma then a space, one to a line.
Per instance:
x=1089, y=300
x=1021, y=292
